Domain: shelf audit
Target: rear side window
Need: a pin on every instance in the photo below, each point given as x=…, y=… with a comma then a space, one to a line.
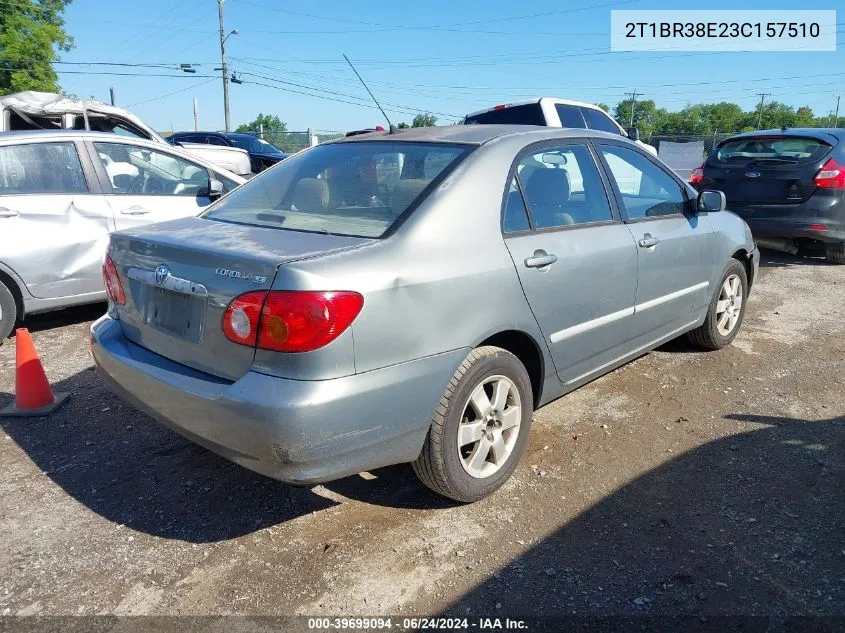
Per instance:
x=528, y=114
x=597, y=120
x=762, y=149
x=562, y=186
x=354, y=188
x=570, y=116
x=41, y=168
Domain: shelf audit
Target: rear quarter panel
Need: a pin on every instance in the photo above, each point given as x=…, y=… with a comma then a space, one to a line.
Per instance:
x=443, y=281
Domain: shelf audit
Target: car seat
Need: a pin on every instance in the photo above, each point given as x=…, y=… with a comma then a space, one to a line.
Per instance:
x=310, y=194
x=547, y=191
x=405, y=192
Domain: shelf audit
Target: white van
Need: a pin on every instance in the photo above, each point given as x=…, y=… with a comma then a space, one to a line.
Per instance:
x=551, y=112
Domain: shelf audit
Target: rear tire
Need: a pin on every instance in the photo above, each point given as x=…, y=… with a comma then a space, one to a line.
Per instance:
x=724, y=317
x=8, y=312
x=835, y=253
x=493, y=439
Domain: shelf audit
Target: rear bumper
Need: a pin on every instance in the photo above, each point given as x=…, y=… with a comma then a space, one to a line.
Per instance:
x=293, y=430
x=794, y=220
x=779, y=228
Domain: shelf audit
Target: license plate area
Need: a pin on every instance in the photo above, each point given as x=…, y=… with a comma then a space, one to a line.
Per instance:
x=175, y=313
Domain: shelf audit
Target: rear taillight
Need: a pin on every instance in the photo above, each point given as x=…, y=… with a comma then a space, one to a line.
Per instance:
x=290, y=321
x=114, y=289
x=831, y=176
x=818, y=227
x=696, y=176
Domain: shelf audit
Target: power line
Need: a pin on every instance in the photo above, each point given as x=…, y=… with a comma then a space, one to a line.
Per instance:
x=169, y=94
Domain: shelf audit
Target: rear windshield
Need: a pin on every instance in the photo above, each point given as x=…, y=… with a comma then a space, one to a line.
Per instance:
x=775, y=150
x=529, y=114
x=355, y=189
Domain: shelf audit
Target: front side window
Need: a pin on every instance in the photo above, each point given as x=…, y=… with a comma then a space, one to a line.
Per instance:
x=41, y=168
x=562, y=186
x=214, y=140
x=646, y=189
x=139, y=170
x=570, y=116
x=354, y=188
x=597, y=120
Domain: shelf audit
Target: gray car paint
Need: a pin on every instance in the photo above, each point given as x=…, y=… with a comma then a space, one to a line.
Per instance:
x=441, y=283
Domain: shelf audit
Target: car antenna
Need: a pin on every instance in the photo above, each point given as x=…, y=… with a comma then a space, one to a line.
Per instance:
x=391, y=126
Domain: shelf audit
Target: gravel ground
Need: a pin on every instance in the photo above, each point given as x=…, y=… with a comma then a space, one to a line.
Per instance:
x=683, y=483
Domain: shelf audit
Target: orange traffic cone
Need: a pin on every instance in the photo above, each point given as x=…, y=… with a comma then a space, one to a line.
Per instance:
x=33, y=395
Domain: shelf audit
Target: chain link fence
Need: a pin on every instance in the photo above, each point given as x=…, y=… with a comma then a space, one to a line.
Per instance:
x=710, y=140
x=684, y=160
x=291, y=142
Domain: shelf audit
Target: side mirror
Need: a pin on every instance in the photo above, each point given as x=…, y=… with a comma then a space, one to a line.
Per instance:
x=634, y=134
x=711, y=201
x=215, y=188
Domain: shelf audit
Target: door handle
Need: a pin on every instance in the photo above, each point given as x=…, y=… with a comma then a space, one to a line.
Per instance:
x=8, y=213
x=540, y=259
x=135, y=210
x=648, y=241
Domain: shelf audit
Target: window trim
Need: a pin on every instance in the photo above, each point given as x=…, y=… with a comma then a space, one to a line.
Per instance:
x=105, y=181
x=91, y=182
x=616, y=217
x=688, y=202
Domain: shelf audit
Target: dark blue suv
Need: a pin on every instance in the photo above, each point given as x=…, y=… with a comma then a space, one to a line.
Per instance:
x=261, y=153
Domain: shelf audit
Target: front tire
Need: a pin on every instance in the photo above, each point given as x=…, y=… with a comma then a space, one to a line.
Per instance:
x=726, y=310
x=8, y=312
x=480, y=427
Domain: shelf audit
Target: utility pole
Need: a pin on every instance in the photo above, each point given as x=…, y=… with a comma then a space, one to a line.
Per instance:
x=762, y=96
x=111, y=94
x=196, y=115
x=836, y=114
x=225, y=68
x=634, y=96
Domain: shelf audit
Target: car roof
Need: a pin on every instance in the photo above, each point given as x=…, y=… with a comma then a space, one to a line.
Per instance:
x=475, y=134
x=582, y=104
x=819, y=133
x=195, y=132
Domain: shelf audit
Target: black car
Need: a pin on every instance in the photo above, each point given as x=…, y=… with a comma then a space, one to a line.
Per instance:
x=788, y=185
x=261, y=153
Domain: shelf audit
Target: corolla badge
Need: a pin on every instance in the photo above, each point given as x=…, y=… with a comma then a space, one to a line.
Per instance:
x=237, y=274
x=752, y=174
x=161, y=274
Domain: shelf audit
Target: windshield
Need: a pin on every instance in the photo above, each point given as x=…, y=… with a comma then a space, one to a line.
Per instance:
x=254, y=144
x=788, y=150
x=355, y=189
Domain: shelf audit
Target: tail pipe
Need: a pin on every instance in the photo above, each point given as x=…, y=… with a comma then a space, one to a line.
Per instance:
x=778, y=244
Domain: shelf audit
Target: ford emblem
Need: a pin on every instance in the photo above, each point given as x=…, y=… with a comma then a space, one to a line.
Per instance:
x=161, y=274
x=752, y=174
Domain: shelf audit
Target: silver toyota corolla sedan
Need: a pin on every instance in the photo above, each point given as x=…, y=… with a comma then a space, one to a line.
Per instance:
x=414, y=297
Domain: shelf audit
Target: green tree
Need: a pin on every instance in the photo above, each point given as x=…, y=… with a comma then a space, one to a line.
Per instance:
x=402, y=126
x=275, y=131
x=424, y=120
x=31, y=35
x=603, y=106
x=646, y=115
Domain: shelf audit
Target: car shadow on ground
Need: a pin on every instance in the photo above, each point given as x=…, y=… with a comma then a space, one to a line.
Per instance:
x=61, y=318
x=748, y=524
x=777, y=259
x=133, y=471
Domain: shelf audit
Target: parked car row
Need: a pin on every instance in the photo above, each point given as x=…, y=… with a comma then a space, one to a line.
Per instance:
x=261, y=153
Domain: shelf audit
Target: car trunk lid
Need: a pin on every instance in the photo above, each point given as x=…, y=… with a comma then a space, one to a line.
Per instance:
x=179, y=277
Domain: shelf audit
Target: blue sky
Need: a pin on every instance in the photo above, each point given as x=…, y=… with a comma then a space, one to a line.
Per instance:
x=440, y=56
